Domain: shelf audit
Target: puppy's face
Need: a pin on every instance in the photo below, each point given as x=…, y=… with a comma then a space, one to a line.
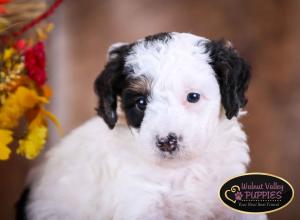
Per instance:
x=173, y=88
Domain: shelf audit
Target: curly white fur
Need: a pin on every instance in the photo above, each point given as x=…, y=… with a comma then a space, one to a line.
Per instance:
x=98, y=173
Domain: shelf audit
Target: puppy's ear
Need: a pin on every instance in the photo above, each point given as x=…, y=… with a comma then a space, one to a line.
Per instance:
x=110, y=82
x=233, y=75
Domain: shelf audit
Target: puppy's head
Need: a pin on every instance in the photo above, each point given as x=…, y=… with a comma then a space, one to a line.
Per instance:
x=174, y=88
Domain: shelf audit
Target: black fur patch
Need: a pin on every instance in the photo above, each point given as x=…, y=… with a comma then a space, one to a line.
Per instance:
x=110, y=83
x=233, y=75
x=21, y=205
x=163, y=36
x=134, y=116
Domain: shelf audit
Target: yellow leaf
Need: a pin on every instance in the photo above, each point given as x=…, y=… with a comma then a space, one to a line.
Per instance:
x=17, y=104
x=37, y=121
x=8, y=53
x=5, y=136
x=41, y=34
x=49, y=27
x=31, y=146
x=27, y=98
x=54, y=120
x=4, y=152
x=5, y=139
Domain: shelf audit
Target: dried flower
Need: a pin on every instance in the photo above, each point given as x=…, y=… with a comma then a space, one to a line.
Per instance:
x=20, y=45
x=23, y=92
x=31, y=146
x=16, y=105
x=35, y=63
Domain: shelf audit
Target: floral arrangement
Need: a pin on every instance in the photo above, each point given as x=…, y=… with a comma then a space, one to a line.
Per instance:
x=23, y=89
x=15, y=13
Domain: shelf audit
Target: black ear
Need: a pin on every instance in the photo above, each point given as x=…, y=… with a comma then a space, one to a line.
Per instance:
x=110, y=82
x=233, y=75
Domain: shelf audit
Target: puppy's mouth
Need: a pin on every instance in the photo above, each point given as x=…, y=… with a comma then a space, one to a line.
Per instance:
x=169, y=155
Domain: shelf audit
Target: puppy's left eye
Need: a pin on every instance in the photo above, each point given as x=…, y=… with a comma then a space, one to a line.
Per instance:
x=193, y=97
x=141, y=103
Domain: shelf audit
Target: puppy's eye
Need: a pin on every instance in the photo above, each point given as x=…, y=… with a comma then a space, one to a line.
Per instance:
x=193, y=97
x=141, y=103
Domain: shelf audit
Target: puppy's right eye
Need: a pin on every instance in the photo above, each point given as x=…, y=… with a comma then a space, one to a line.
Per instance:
x=141, y=103
x=193, y=97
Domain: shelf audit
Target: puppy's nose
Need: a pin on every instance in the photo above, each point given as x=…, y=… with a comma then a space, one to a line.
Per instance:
x=169, y=143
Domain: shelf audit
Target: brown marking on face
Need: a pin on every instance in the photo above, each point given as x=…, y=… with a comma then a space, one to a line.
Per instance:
x=140, y=85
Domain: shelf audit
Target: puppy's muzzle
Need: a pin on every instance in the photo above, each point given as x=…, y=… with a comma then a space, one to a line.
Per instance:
x=168, y=143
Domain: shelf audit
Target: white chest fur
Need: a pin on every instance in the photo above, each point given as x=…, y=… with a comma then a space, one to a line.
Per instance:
x=92, y=174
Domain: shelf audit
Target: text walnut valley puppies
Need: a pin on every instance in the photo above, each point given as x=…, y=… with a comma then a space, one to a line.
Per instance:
x=181, y=96
x=256, y=193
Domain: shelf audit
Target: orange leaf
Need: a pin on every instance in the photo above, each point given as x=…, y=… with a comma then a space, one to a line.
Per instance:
x=54, y=120
x=47, y=91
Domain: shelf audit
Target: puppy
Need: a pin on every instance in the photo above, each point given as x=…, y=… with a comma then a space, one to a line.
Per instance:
x=181, y=96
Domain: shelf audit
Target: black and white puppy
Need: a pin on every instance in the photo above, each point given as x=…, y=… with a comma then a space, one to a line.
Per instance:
x=181, y=96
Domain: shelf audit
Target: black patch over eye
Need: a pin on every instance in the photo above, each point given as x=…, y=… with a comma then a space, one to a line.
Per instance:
x=134, y=105
x=193, y=97
x=141, y=103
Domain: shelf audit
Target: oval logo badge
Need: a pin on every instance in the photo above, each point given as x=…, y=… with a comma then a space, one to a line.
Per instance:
x=256, y=193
